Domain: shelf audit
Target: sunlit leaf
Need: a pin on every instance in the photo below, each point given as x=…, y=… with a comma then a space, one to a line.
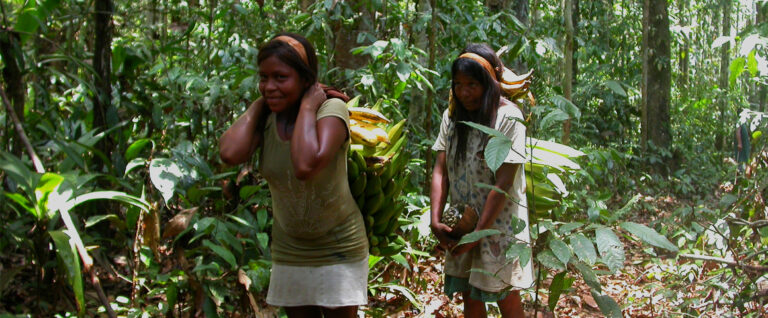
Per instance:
x=70, y=259
x=649, y=235
x=584, y=248
x=607, y=305
x=589, y=276
x=136, y=147
x=549, y=260
x=615, y=86
x=477, y=235
x=165, y=175
x=561, y=250
x=560, y=283
x=519, y=251
x=610, y=248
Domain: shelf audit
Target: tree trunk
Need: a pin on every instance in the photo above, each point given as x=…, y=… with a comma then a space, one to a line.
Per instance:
x=762, y=18
x=656, y=75
x=521, y=10
x=345, y=39
x=683, y=55
x=430, y=93
x=567, y=82
x=104, y=115
x=725, y=62
x=13, y=59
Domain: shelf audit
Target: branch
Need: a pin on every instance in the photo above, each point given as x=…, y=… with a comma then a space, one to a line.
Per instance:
x=20, y=131
x=757, y=224
x=754, y=268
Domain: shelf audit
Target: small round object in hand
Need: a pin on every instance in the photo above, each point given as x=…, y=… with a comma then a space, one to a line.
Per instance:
x=461, y=218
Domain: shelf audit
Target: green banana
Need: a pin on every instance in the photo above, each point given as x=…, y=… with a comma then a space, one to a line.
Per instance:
x=358, y=187
x=353, y=170
x=374, y=185
x=373, y=204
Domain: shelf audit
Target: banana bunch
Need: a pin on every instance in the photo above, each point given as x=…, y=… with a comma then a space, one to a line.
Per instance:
x=377, y=175
x=545, y=163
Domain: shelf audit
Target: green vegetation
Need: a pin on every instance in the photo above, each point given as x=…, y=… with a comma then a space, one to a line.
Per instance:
x=114, y=200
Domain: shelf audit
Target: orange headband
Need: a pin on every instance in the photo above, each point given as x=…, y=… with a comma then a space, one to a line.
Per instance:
x=482, y=61
x=296, y=45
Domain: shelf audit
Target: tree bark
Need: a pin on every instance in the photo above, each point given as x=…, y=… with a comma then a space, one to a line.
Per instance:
x=683, y=54
x=13, y=59
x=345, y=38
x=762, y=18
x=656, y=75
x=102, y=66
x=567, y=81
x=430, y=93
x=725, y=62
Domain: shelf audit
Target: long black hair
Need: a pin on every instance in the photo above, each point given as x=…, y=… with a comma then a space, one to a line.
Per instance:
x=491, y=95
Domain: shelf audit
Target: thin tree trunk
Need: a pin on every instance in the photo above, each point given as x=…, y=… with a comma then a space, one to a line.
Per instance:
x=345, y=39
x=725, y=62
x=430, y=93
x=656, y=75
x=567, y=81
x=102, y=65
x=762, y=18
x=13, y=59
x=684, y=51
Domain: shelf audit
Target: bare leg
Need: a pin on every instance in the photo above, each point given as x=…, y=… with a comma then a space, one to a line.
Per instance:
x=512, y=305
x=473, y=308
x=341, y=312
x=304, y=312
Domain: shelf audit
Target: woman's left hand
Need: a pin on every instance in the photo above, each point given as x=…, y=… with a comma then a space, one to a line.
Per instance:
x=463, y=248
x=313, y=98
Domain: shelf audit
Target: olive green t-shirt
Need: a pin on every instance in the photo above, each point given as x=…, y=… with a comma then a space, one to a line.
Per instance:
x=316, y=221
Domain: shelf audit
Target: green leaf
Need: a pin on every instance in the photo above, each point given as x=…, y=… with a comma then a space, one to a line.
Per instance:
x=566, y=106
x=496, y=151
x=400, y=259
x=560, y=283
x=70, y=259
x=584, y=248
x=488, y=130
x=568, y=227
x=615, y=86
x=165, y=175
x=649, y=235
x=549, y=260
x=354, y=101
x=561, y=250
x=554, y=116
x=589, y=276
x=477, y=235
x=403, y=71
x=752, y=63
x=519, y=251
x=736, y=68
x=98, y=218
x=554, y=147
x=610, y=248
x=136, y=147
x=222, y=252
x=607, y=305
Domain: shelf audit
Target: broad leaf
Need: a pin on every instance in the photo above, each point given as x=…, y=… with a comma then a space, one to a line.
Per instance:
x=559, y=284
x=607, y=305
x=555, y=116
x=165, y=175
x=561, y=250
x=610, y=248
x=568, y=227
x=70, y=259
x=649, y=235
x=496, y=151
x=616, y=87
x=549, y=260
x=566, y=106
x=584, y=248
x=136, y=147
x=488, y=130
x=477, y=235
x=554, y=147
x=519, y=251
x=222, y=252
x=736, y=68
x=589, y=276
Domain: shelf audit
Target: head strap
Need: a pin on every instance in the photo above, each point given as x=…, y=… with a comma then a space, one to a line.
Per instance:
x=481, y=60
x=296, y=45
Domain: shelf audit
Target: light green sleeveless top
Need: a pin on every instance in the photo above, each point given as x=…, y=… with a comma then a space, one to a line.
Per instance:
x=316, y=221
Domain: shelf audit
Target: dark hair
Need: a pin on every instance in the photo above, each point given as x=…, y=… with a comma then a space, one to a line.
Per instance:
x=491, y=95
x=288, y=55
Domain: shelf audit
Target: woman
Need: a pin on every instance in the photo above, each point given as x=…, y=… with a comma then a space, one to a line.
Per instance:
x=319, y=248
x=460, y=164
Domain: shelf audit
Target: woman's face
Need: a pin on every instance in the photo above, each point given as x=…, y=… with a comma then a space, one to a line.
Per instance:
x=279, y=84
x=468, y=90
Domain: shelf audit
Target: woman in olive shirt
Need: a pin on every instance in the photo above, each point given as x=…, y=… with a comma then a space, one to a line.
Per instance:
x=319, y=247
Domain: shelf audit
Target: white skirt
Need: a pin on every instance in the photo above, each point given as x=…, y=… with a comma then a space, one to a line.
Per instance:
x=331, y=286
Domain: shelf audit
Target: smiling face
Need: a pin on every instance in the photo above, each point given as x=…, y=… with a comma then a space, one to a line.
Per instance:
x=280, y=85
x=468, y=91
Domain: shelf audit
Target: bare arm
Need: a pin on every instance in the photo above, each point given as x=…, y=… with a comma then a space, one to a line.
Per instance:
x=237, y=144
x=315, y=142
x=438, y=195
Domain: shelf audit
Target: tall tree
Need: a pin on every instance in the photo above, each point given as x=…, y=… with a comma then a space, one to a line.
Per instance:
x=684, y=51
x=656, y=74
x=102, y=66
x=345, y=36
x=13, y=61
x=725, y=61
x=761, y=18
x=567, y=63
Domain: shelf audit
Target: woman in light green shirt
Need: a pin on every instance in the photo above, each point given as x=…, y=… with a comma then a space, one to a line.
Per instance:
x=319, y=248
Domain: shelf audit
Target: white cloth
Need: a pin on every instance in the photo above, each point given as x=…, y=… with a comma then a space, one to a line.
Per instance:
x=336, y=285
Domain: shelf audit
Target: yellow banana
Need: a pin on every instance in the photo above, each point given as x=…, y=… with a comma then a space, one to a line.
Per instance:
x=381, y=134
x=367, y=114
x=363, y=136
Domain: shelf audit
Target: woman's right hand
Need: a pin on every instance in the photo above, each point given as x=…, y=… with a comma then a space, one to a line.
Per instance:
x=441, y=232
